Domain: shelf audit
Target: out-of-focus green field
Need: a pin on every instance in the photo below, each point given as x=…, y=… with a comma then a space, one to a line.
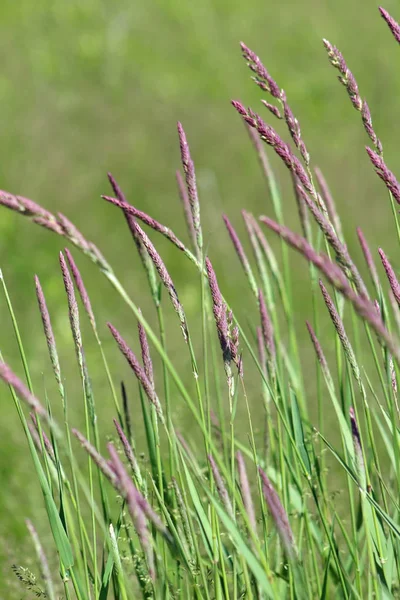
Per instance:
x=92, y=86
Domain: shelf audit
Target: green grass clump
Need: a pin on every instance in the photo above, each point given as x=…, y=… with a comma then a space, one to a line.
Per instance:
x=242, y=505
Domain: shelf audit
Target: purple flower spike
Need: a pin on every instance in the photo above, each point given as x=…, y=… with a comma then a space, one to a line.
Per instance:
x=228, y=340
x=329, y=202
x=186, y=208
x=165, y=278
x=391, y=275
x=48, y=332
x=81, y=288
x=347, y=78
x=383, y=172
x=47, y=444
x=59, y=225
x=9, y=377
x=339, y=326
x=393, y=25
x=279, y=515
x=191, y=185
x=267, y=329
x=271, y=137
x=222, y=491
x=146, y=358
x=342, y=254
x=96, y=457
x=263, y=78
x=272, y=109
x=245, y=491
x=318, y=348
x=219, y=308
x=10, y=201
x=368, y=258
x=130, y=456
x=144, y=257
x=73, y=233
x=241, y=254
x=145, y=218
x=129, y=492
x=138, y=370
x=261, y=350
x=72, y=309
x=364, y=307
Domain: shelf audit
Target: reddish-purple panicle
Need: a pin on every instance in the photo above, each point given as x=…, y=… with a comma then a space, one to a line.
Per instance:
x=191, y=185
x=49, y=335
x=383, y=172
x=138, y=370
x=146, y=358
x=278, y=514
x=187, y=209
x=81, y=288
x=391, y=275
x=130, y=456
x=263, y=78
x=266, y=326
x=241, y=254
x=393, y=25
x=368, y=258
x=130, y=494
x=221, y=488
x=165, y=278
x=245, y=491
x=9, y=377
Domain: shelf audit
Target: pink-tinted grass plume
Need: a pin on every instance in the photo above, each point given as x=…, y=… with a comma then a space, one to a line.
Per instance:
x=9, y=377
x=220, y=485
x=101, y=462
x=391, y=275
x=340, y=329
x=165, y=278
x=385, y=174
x=335, y=276
x=245, y=491
x=138, y=370
x=392, y=24
x=49, y=335
x=267, y=328
x=279, y=515
x=187, y=209
x=329, y=202
x=191, y=185
x=146, y=358
x=125, y=486
x=81, y=288
x=347, y=78
x=143, y=254
x=368, y=259
x=241, y=254
x=128, y=451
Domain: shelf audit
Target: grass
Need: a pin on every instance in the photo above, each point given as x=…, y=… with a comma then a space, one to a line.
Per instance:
x=243, y=506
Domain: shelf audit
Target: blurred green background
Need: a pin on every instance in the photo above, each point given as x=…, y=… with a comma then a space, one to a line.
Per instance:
x=93, y=86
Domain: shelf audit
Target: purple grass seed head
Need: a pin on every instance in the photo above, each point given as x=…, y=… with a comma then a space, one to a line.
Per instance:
x=279, y=515
x=393, y=25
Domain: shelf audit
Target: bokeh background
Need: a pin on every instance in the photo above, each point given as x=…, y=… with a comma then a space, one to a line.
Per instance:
x=92, y=86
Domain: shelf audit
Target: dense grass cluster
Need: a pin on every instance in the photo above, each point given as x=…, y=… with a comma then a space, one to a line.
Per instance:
x=229, y=517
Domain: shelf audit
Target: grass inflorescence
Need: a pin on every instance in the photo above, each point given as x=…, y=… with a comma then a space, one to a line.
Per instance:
x=249, y=509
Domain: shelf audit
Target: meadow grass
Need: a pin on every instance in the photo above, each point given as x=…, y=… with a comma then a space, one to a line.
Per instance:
x=227, y=515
